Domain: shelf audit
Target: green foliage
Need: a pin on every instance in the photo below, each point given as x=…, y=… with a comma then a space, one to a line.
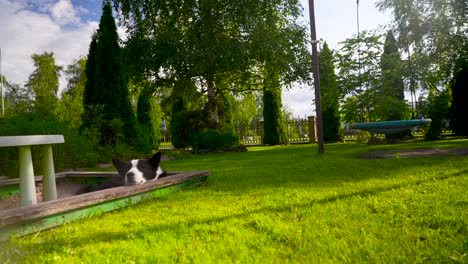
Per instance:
x=213, y=139
x=244, y=111
x=18, y=100
x=78, y=151
x=72, y=96
x=433, y=34
x=260, y=207
x=330, y=95
x=273, y=122
x=459, y=88
x=437, y=109
x=390, y=99
x=185, y=124
x=44, y=82
x=149, y=118
x=222, y=44
x=332, y=131
x=90, y=92
x=225, y=105
x=359, y=75
x=107, y=83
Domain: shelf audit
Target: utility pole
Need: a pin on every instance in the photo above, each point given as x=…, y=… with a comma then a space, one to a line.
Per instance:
x=315, y=68
x=361, y=117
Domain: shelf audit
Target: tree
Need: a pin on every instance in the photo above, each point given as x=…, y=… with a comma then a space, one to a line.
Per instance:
x=459, y=87
x=72, y=96
x=433, y=35
x=44, y=82
x=359, y=72
x=273, y=122
x=330, y=95
x=149, y=117
x=391, y=103
x=18, y=100
x=244, y=112
x=214, y=42
x=106, y=88
x=436, y=107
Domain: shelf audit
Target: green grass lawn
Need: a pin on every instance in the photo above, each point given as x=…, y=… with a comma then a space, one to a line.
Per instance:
x=283, y=204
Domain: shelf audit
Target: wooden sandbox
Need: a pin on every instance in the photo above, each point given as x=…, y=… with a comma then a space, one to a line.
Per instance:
x=25, y=220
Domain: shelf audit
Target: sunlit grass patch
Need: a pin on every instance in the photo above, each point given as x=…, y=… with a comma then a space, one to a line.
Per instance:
x=281, y=204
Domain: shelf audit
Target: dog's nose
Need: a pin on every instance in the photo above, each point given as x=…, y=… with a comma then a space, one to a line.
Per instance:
x=130, y=174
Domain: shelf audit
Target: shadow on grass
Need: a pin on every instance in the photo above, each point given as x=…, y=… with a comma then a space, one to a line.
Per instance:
x=129, y=233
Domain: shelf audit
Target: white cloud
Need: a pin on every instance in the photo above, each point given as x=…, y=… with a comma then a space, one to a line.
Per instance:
x=24, y=32
x=27, y=32
x=300, y=100
x=63, y=13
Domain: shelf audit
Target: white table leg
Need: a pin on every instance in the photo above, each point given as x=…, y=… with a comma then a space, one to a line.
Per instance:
x=49, y=188
x=26, y=175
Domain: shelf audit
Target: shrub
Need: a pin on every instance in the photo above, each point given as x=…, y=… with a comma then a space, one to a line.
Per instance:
x=437, y=109
x=213, y=139
x=77, y=151
x=184, y=125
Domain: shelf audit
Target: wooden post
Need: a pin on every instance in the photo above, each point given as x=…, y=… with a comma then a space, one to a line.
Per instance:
x=312, y=129
x=26, y=175
x=49, y=191
x=318, y=101
x=262, y=131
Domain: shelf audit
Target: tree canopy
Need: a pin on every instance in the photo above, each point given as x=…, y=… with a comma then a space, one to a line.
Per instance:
x=44, y=82
x=210, y=42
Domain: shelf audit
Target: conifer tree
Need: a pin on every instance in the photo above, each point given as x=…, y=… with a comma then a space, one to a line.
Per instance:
x=330, y=94
x=106, y=89
x=273, y=122
x=391, y=98
x=148, y=112
x=459, y=86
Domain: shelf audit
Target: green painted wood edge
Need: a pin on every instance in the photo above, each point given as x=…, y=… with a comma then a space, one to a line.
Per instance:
x=46, y=222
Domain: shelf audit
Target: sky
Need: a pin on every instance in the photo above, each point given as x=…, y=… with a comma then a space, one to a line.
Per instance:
x=64, y=27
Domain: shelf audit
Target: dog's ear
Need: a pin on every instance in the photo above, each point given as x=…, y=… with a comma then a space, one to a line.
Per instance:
x=120, y=166
x=155, y=160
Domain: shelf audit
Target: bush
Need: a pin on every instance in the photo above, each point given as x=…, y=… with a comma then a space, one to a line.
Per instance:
x=212, y=139
x=77, y=151
x=185, y=125
x=437, y=109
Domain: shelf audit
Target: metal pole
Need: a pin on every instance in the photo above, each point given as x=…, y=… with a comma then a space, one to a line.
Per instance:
x=1, y=83
x=361, y=117
x=318, y=102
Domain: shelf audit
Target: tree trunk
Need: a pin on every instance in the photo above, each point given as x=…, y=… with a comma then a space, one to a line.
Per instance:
x=212, y=104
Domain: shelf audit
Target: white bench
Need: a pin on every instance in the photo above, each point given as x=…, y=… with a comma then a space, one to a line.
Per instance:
x=26, y=172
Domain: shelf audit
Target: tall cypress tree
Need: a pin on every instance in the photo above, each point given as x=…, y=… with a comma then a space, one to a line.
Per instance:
x=391, y=97
x=459, y=86
x=330, y=94
x=273, y=121
x=106, y=88
x=89, y=92
x=148, y=112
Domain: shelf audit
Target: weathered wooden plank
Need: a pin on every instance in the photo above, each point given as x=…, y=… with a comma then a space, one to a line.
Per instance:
x=41, y=223
x=16, y=215
x=12, y=141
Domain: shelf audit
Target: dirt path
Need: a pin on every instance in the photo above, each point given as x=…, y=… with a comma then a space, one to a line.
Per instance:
x=414, y=153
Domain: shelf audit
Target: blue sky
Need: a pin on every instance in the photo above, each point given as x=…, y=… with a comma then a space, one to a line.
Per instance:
x=65, y=28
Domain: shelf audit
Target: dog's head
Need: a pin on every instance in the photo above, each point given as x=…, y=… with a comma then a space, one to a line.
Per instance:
x=139, y=170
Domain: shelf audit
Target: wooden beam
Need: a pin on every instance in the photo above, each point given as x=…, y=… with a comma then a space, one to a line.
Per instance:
x=26, y=220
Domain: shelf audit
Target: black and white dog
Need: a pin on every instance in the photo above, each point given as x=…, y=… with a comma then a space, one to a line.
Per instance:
x=139, y=170
x=134, y=172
